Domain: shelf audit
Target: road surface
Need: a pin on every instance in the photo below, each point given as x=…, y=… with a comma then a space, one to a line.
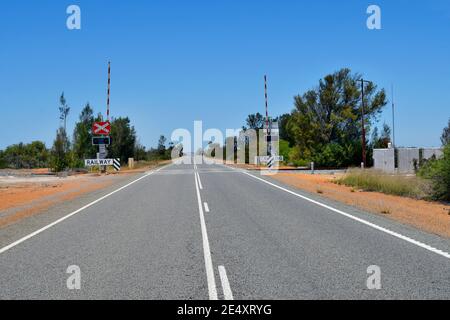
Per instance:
x=199, y=231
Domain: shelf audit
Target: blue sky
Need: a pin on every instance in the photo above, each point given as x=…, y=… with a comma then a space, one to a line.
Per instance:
x=174, y=62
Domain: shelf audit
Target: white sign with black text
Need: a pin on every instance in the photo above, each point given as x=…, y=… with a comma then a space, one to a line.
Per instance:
x=98, y=162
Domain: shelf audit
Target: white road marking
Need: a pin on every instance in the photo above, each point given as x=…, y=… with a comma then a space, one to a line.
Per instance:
x=367, y=223
x=228, y=295
x=195, y=164
x=206, y=207
x=206, y=251
x=31, y=235
x=199, y=181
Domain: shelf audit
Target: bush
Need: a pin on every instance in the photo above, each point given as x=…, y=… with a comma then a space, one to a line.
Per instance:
x=285, y=150
x=371, y=180
x=296, y=159
x=3, y=164
x=438, y=172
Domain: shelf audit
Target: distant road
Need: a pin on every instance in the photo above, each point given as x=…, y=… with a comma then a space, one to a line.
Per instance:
x=198, y=231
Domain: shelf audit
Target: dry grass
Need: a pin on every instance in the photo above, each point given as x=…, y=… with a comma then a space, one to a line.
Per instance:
x=400, y=185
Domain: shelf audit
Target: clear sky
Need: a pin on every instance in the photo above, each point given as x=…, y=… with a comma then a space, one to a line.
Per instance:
x=174, y=62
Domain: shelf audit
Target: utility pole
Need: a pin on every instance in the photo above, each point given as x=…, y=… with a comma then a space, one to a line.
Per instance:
x=363, y=126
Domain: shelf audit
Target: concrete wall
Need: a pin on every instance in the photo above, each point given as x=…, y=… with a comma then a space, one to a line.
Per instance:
x=406, y=157
x=384, y=160
x=428, y=153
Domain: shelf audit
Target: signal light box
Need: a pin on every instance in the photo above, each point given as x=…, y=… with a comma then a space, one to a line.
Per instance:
x=101, y=140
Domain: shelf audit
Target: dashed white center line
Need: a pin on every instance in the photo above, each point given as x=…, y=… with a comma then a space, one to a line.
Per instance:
x=206, y=207
x=206, y=250
x=228, y=295
x=199, y=181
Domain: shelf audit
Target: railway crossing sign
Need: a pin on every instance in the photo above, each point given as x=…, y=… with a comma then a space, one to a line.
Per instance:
x=101, y=128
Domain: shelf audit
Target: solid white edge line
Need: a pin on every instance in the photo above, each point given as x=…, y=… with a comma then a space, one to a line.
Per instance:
x=206, y=207
x=212, y=290
x=227, y=293
x=15, y=243
x=367, y=223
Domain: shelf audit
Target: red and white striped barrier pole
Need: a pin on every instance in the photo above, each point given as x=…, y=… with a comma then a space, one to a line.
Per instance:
x=267, y=117
x=109, y=89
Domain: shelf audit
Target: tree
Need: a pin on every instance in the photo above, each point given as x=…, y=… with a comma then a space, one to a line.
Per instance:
x=3, y=163
x=82, y=135
x=59, y=155
x=255, y=121
x=445, y=138
x=139, y=151
x=381, y=142
x=64, y=110
x=162, y=145
x=18, y=156
x=123, y=137
x=331, y=114
x=37, y=154
x=282, y=126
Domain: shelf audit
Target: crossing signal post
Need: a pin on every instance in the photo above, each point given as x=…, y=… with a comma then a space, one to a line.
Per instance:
x=271, y=135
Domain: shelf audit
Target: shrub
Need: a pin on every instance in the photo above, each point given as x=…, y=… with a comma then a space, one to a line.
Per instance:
x=285, y=150
x=438, y=172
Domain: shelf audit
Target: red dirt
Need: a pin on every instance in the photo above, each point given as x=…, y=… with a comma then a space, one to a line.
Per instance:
x=32, y=198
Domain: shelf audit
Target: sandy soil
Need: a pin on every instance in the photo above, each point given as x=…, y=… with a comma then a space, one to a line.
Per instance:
x=24, y=193
x=23, y=199
x=433, y=217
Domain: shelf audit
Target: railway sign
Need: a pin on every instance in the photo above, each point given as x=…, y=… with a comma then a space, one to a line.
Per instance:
x=101, y=128
x=98, y=162
x=103, y=162
x=101, y=140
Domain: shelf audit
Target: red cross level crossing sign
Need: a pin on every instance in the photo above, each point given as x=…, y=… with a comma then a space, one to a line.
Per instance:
x=103, y=128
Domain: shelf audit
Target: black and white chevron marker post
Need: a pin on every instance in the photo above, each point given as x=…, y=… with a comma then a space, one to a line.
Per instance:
x=271, y=162
x=116, y=164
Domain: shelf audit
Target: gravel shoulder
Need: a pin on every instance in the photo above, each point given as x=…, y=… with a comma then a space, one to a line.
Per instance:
x=30, y=203
x=432, y=217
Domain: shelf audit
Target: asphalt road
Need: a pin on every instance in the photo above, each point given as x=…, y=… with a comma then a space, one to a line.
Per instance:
x=198, y=231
